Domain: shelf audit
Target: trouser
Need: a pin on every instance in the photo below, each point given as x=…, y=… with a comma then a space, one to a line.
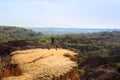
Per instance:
x=52, y=45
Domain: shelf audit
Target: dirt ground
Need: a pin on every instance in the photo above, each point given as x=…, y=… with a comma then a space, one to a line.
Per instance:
x=43, y=64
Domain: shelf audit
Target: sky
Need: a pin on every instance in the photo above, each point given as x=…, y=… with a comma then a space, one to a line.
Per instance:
x=61, y=13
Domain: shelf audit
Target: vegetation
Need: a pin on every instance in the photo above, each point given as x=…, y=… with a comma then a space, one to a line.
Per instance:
x=14, y=33
x=103, y=44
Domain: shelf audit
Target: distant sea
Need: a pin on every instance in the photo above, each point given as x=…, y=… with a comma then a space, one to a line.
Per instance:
x=60, y=31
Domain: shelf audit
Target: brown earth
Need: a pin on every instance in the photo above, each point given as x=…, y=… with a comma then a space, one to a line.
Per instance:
x=44, y=64
x=10, y=46
x=12, y=70
x=100, y=68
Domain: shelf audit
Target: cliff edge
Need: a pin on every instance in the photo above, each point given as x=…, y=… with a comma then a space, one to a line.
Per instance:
x=44, y=64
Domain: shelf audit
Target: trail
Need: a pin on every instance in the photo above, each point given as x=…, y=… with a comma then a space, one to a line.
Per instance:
x=43, y=64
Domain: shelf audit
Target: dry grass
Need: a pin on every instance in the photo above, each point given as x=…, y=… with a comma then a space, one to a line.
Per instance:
x=42, y=64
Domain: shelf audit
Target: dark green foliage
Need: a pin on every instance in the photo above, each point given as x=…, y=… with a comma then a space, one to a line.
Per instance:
x=103, y=43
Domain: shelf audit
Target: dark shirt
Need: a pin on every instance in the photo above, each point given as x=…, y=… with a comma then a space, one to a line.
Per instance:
x=52, y=39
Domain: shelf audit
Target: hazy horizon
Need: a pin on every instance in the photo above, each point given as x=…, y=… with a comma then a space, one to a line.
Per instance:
x=72, y=27
x=58, y=31
x=64, y=13
x=60, y=27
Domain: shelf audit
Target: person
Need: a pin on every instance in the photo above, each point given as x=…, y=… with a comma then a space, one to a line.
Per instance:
x=53, y=42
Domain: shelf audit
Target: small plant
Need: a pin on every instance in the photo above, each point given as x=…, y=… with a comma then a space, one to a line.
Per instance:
x=82, y=71
x=118, y=66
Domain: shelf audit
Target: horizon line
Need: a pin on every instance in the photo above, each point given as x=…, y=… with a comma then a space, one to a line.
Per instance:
x=59, y=27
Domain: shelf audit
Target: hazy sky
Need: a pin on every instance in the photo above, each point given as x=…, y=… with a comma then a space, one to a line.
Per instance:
x=60, y=13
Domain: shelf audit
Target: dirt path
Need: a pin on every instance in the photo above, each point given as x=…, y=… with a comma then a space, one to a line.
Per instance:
x=43, y=64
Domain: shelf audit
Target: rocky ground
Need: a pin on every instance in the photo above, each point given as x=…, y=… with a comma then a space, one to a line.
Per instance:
x=44, y=64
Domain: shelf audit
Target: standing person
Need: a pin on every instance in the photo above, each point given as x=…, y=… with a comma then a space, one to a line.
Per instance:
x=53, y=42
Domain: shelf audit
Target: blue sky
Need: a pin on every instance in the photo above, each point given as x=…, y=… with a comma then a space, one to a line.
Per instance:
x=60, y=13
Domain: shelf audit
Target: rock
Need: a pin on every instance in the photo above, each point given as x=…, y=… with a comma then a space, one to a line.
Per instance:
x=44, y=64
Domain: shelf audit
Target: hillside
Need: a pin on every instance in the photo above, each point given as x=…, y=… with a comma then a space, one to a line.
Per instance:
x=15, y=33
x=44, y=64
